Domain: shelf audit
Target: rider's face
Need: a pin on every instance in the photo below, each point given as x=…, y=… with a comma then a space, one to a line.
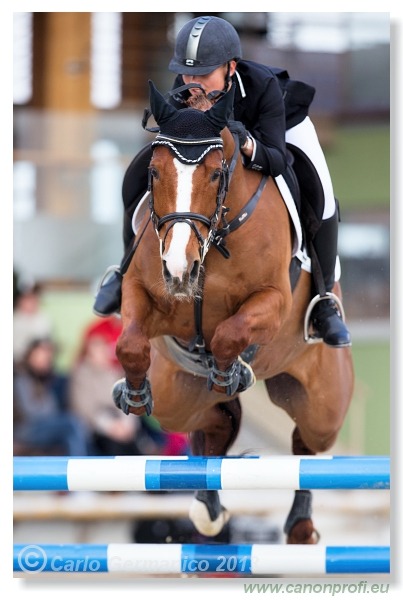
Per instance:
x=210, y=82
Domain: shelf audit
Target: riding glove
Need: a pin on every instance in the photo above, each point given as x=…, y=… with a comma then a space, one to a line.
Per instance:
x=239, y=129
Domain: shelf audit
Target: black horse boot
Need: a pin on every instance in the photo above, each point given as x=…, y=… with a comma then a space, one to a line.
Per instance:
x=109, y=294
x=326, y=316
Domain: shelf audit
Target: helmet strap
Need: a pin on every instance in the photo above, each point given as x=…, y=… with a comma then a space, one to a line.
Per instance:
x=227, y=78
x=217, y=93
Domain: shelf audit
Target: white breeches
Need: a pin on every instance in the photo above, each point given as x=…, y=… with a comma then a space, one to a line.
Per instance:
x=304, y=136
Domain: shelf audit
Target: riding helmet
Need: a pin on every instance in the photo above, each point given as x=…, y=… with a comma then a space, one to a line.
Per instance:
x=204, y=44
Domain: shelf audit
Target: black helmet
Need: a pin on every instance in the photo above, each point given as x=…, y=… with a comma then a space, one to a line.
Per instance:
x=203, y=44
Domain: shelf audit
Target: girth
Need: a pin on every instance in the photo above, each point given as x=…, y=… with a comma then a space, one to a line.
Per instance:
x=196, y=363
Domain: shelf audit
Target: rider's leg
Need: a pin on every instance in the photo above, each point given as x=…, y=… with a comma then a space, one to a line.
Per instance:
x=326, y=317
x=109, y=295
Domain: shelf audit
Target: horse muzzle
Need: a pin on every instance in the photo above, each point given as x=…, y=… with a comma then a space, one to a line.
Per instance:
x=182, y=284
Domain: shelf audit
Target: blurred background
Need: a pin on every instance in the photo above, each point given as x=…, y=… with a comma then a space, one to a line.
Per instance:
x=80, y=87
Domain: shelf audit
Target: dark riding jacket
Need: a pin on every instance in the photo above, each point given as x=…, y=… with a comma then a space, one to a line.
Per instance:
x=266, y=101
x=262, y=104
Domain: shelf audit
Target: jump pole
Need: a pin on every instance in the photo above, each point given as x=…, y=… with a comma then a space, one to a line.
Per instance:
x=175, y=559
x=142, y=473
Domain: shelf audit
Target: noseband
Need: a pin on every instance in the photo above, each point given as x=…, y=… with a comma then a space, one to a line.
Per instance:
x=179, y=147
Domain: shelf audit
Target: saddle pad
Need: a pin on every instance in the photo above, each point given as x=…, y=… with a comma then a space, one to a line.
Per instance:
x=139, y=213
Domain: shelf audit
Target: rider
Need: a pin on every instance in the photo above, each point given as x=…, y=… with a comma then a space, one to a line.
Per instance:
x=208, y=52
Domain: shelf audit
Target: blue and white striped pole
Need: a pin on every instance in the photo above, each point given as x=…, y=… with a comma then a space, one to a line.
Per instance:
x=242, y=559
x=141, y=473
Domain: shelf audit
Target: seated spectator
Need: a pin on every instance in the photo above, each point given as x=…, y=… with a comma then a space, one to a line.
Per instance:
x=43, y=422
x=92, y=379
x=30, y=322
x=109, y=329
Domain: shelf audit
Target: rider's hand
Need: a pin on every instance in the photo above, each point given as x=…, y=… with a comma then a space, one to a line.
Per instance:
x=239, y=129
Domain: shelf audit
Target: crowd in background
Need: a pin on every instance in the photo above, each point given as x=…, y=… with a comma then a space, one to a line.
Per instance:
x=73, y=414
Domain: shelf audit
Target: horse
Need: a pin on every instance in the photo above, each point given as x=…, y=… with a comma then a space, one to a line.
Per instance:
x=208, y=306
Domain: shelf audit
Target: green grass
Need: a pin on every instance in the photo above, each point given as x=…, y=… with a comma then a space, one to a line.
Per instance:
x=70, y=312
x=367, y=427
x=359, y=163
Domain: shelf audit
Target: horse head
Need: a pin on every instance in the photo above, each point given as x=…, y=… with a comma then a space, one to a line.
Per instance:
x=188, y=182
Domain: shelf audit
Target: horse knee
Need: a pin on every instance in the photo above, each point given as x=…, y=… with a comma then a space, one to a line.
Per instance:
x=321, y=439
x=314, y=438
x=133, y=353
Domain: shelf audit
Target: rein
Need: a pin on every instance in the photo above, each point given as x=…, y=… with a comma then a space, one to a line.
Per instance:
x=216, y=236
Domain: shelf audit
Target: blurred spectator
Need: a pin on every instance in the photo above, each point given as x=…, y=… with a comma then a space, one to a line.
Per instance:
x=43, y=422
x=109, y=329
x=92, y=380
x=29, y=320
x=152, y=439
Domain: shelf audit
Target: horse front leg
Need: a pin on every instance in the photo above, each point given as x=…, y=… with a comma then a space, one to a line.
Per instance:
x=132, y=394
x=257, y=321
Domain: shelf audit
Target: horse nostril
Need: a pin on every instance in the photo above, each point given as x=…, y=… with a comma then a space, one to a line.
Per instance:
x=194, y=273
x=166, y=272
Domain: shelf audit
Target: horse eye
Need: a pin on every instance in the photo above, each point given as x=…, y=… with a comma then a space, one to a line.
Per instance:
x=154, y=172
x=216, y=175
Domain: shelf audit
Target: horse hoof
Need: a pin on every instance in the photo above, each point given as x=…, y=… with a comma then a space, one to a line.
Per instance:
x=303, y=532
x=247, y=376
x=200, y=517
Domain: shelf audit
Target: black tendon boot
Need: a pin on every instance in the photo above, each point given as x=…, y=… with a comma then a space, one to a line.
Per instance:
x=326, y=316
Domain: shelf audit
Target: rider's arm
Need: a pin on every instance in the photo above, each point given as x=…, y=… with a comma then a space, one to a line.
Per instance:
x=262, y=112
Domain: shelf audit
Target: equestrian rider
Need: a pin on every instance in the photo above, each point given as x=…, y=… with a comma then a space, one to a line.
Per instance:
x=208, y=52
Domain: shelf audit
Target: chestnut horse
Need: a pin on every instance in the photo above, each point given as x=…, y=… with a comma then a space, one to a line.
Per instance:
x=208, y=307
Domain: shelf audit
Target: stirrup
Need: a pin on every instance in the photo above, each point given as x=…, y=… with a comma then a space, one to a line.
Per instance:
x=109, y=270
x=310, y=338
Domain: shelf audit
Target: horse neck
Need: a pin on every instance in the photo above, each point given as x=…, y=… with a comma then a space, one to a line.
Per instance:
x=243, y=183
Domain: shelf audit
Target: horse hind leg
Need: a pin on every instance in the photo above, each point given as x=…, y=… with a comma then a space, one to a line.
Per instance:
x=206, y=511
x=299, y=526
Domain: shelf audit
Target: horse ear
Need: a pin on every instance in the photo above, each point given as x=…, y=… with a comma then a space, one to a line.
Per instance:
x=220, y=113
x=161, y=109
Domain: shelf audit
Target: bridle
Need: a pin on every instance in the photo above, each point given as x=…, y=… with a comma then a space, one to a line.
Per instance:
x=191, y=218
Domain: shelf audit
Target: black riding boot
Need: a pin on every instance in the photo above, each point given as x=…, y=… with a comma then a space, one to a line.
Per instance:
x=326, y=317
x=109, y=294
